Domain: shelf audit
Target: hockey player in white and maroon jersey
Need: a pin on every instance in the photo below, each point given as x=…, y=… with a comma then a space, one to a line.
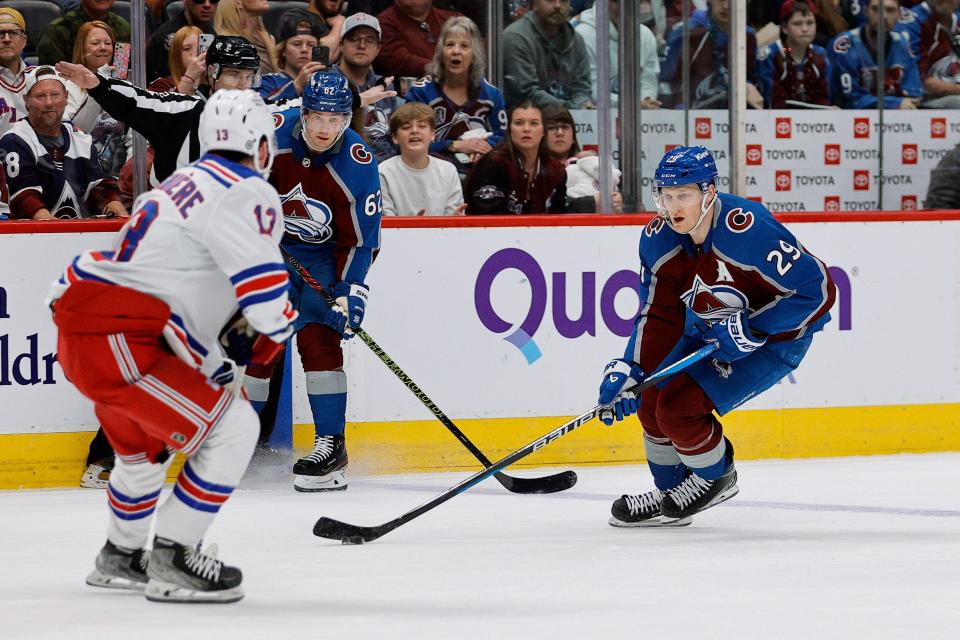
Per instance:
x=141, y=333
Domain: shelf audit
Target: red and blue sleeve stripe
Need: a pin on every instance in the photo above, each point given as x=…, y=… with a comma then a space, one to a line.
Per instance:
x=262, y=283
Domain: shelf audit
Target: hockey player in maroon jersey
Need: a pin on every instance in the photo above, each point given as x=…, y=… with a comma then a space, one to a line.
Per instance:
x=714, y=268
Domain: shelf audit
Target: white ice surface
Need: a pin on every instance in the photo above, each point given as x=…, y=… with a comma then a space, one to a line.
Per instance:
x=840, y=548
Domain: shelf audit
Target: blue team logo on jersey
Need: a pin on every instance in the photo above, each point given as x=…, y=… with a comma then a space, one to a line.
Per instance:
x=306, y=218
x=713, y=303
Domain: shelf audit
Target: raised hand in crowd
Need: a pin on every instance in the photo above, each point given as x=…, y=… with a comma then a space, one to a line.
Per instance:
x=193, y=73
x=78, y=75
x=378, y=92
x=305, y=74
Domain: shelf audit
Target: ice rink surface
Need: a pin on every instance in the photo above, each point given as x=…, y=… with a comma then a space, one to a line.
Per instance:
x=837, y=548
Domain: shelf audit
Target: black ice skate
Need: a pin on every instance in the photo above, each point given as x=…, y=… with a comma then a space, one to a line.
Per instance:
x=696, y=494
x=119, y=568
x=641, y=511
x=324, y=468
x=179, y=573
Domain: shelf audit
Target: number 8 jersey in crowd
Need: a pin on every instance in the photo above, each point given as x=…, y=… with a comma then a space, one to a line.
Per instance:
x=205, y=242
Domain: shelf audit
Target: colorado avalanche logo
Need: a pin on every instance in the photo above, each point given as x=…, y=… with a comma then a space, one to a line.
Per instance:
x=277, y=120
x=654, y=226
x=739, y=220
x=360, y=154
x=306, y=218
x=66, y=207
x=713, y=304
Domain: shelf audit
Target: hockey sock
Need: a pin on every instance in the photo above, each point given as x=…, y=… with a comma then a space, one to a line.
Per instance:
x=209, y=477
x=258, y=390
x=664, y=462
x=132, y=495
x=327, y=393
x=711, y=464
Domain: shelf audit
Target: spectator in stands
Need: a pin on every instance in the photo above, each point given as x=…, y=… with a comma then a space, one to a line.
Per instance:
x=13, y=38
x=708, y=76
x=414, y=183
x=853, y=64
x=583, y=167
x=359, y=48
x=51, y=168
x=519, y=176
x=939, y=64
x=57, y=40
x=94, y=50
x=793, y=68
x=244, y=18
x=300, y=32
x=196, y=13
x=829, y=22
x=410, y=29
x=331, y=11
x=170, y=121
x=184, y=61
x=545, y=60
x=943, y=192
x=471, y=116
x=647, y=58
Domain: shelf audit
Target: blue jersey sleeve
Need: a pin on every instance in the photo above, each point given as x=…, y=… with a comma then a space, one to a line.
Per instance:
x=358, y=223
x=765, y=71
x=498, y=117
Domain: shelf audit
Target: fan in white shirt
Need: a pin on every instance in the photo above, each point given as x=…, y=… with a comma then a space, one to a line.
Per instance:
x=415, y=183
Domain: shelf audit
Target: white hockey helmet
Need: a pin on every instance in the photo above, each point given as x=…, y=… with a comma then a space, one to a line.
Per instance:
x=237, y=120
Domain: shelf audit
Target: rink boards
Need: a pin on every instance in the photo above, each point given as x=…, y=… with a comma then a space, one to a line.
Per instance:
x=507, y=328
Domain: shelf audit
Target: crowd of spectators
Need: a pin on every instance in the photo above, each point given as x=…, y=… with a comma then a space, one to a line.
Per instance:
x=512, y=147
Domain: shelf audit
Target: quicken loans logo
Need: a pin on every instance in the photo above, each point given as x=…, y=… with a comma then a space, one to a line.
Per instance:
x=522, y=335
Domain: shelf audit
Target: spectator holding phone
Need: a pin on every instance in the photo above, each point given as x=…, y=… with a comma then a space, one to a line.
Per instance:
x=94, y=49
x=244, y=18
x=196, y=13
x=58, y=39
x=300, y=33
x=185, y=62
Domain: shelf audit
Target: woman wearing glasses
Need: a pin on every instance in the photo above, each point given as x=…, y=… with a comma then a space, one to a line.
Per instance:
x=471, y=116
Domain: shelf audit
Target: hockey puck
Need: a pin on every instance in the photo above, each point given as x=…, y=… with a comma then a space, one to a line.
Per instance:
x=353, y=540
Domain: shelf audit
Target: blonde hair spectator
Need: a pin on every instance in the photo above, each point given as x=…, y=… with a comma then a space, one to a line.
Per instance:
x=244, y=18
x=80, y=55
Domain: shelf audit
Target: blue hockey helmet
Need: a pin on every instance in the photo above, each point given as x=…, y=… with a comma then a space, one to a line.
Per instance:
x=686, y=165
x=328, y=91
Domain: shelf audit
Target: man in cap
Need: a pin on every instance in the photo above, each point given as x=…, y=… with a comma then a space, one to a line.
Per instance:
x=51, y=168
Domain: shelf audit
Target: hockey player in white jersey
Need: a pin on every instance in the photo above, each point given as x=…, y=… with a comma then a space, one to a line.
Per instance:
x=141, y=333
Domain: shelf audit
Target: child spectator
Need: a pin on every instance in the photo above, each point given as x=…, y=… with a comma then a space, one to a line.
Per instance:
x=793, y=68
x=413, y=183
x=471, y=113
x=853, y=64
x=300, y=32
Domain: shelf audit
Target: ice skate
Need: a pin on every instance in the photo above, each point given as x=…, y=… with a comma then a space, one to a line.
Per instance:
x=641, y=511
x=324, y=468
x=179, y=573
x=696, y=494
x=119, y=568
x=97, y=474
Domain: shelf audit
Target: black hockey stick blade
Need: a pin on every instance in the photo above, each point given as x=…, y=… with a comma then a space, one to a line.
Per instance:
x=545, y=484
x=347, y=533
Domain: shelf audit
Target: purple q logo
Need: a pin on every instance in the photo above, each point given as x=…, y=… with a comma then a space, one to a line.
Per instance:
x=568, y=327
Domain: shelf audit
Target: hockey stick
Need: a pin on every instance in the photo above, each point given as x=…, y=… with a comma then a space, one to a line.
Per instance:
x=547, y=484
x=354, y=534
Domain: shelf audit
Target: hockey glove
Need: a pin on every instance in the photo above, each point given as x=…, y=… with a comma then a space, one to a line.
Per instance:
x=733, y=337
x=244, y=345
x=615, y=397
x=352, y=300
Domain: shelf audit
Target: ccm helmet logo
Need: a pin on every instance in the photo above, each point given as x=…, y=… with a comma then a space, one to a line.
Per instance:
x=831, y=154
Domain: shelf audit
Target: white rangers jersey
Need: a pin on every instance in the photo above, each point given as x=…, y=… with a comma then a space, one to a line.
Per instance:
x=206, y=242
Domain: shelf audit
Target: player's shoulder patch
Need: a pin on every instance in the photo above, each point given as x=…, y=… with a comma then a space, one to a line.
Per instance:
x=842, y=44
x=654, y=227
x=738, y=220
x=360, y=154
x=277, y=120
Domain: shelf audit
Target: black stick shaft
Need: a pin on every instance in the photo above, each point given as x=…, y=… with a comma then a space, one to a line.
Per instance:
x=556, y=482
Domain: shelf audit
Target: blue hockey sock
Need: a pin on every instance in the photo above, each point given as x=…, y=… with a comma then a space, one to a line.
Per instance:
x=667, y=477
x=258, y=405
x=723, y=453
x=327, y=393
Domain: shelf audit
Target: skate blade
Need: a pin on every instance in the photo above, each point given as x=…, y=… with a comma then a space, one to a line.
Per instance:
x=159, y=591
x=91, y=478
x=98, y=578
x=721, y=497
x=336, y=481
x=651, y=523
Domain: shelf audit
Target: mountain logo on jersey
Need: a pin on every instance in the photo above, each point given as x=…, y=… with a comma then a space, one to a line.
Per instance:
x=306, y=218
x=713, y=303
x=67, y=204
